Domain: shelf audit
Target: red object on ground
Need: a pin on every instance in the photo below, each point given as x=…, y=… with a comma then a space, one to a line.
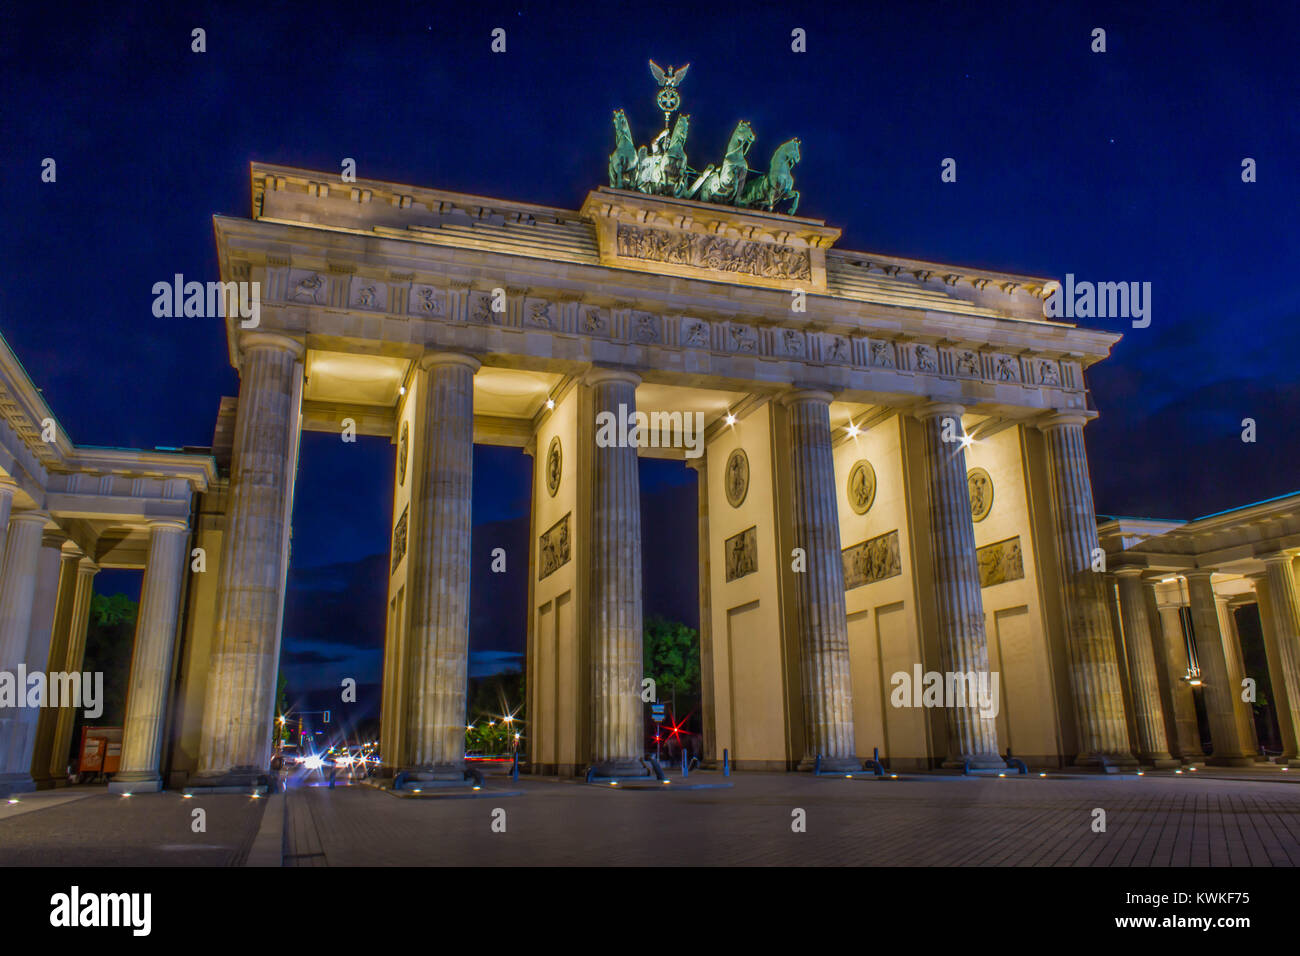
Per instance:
x=101, y=750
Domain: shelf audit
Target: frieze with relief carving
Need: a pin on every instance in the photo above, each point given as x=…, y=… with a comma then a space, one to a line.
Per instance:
x=717, y=253
x=873, y=560
x=1000, y=562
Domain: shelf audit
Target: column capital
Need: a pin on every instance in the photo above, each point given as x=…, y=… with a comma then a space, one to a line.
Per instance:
x=1275, y=557
x=431, y=358
x=600, y=375
x=1063, y=417
x=87, y=567
x=7, y=484
x=1128, y=572
x=1199, y=574
x=928, y=410
x=798, y=395
x=167, y=524
x=31, y=517
x=271, y=340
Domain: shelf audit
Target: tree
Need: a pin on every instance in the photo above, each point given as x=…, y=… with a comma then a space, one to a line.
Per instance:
x=672, y=657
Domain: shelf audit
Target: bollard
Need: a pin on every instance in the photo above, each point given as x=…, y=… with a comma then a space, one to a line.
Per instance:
x=726, y=763
x=514, y=770
x=686, y=767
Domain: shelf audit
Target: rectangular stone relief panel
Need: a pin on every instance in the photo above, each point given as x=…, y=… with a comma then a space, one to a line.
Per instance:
x=399, y=540
x=367, y=293
x=872, y=560
x=713, y=253
x=554, y=548
x=741, y=551
x=426, y=300
x=1000, y=562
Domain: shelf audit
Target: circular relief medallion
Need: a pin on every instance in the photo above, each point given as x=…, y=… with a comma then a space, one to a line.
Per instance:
x=736, y=480
x=981, y=493
x=554, y=466
x=862, y=487
x=403, y=448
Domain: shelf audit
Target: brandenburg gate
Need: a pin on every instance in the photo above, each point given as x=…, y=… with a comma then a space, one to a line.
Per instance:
x=893, y=482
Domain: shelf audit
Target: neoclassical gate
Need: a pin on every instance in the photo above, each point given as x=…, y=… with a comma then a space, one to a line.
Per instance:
x=856, y=408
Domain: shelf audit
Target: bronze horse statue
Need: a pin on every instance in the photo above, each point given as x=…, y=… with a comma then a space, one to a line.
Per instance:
x=722, y=184
x=623, y=161
x=777, y=184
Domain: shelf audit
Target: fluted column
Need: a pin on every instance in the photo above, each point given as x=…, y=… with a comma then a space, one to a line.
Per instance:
x=1090, y=644
x=440, y=555
x=78, y=620
x=1144, y=684
x=151, y=660
x=1228, y=749
x=1284, y=612
x=959, y=604
x=56, y=664
x=8, y=489
x=1183, y=729
x=708, y=718
x=617, y=725
x=819, y=589
x=17, y=597
x=234, y=745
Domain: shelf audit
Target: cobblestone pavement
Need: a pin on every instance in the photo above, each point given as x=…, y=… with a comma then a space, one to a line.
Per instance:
x=918, y=821
x=145, y=829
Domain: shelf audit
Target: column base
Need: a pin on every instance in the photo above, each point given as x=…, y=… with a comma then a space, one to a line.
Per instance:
x=976, y=762
x=11, y=783
x=438, y=773
x=1161, y=761
x=831, y=765
x=234, y=780
x=1106, y=763
x=1234, y=760
x=135, y=781
x=625, y=767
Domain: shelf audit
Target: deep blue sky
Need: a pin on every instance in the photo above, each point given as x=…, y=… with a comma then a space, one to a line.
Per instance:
x=1115, y=166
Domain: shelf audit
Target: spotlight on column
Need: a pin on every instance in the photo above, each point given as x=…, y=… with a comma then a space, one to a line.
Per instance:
x=401, y=390
x=730, y=419
x=550, y=404
x=12, y=802
x=853, y=430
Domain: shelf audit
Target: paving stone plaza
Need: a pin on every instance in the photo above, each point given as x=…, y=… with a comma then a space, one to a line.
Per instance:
x=1156, y=820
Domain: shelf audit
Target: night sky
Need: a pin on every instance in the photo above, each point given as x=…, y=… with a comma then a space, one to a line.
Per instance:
x=1122, y=166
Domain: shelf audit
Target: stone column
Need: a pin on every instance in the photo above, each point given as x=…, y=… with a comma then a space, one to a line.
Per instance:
x=1237, y=675
x=8, y=489
x=79, y=619
x=1090, y=645
x=1284, y=612
x=17, y=597
x=1182, y=728
x=234, y=744
x=1228, y=748
x=56, y=664
x=708, y=718
x=1153, y=746
x=1287, y=731
x=151, y=661
x=819, y=590
x=963, y=644
x=442, y=486
x=618, y=722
